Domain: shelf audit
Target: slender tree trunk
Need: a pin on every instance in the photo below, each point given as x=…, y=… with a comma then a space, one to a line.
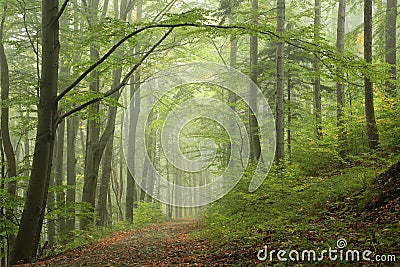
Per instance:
x=372, y=130
x=131, y=192
x=105, y=183
x=232, y=98
x=27, y=240
x=144, y=179
x=147, y=173
x=27, y=150
x=280, y=119
x=51, y=222
x=255, y=146
x=151, y=175
x=3, y=240
x=82, y=138
x=72, y=128
x=317, y=68
x=92, y=158
x=390, y=45
x=110, y=207
x=72, y=135
x=93, y=132
x=340, y=100
x=59, y=175
x=116, y=186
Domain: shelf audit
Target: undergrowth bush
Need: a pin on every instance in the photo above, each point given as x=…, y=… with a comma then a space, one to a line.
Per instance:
x=281, y=201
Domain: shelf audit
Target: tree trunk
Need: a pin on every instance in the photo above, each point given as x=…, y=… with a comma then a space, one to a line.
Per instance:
x=147, y=173
x=131, y=193
x=59, y=175
x=72, y=135
x=116, y=186
x=92, y=159
x=27, y=150
x=144, y=179
x=153, y=136
x=280, y=120
x=72, y=128
x=51, y=223
x=340, y=100
x=317, y=68
x=27, y=240
x=3, y=240
x=92, y=162
x=390, y=45
x=372, y=130
x=110, y=207
x=104, y=183
x=255, y=146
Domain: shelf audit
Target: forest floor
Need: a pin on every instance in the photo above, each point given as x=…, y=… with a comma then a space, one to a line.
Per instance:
x=160, y=244
x=368, y=217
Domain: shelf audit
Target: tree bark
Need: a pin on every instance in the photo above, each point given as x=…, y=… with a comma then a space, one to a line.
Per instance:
x=372, y=130
x=59, y=175
x=72, y=128
x=255, y=146
x=131, y=193
x=340, y=96
x=104, y=183
x=92, y=158
x=317, y=68
x=280, y=120
x=390, y=45
x=28, y=236
x=50, y=220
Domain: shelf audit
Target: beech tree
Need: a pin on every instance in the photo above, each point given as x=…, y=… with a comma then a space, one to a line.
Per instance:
x=391, y=44
x=280, y=119
x=317, y=68
x=255, y=149
x=340, y=94
x=27, y=240
x=372, y=130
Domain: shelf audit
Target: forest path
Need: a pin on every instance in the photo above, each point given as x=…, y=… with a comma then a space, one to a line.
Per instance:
x=160, y=244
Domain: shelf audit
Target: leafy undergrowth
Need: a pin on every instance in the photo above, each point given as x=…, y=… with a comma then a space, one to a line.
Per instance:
x=310, y=214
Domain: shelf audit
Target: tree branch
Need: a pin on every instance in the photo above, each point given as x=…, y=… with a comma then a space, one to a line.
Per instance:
x=122, y=83
x=107, y=55
x=62, y=9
